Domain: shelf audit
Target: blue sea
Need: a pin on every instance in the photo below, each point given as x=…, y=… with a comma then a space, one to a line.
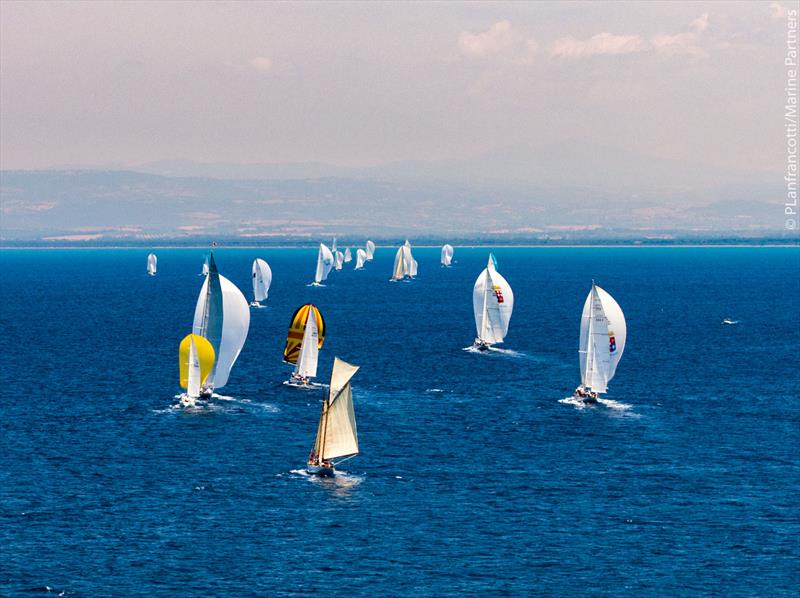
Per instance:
x=474, y=476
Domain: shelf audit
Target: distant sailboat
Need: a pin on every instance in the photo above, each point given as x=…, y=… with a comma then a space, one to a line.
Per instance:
x=405, y=266
x=152, y=262
x=361, y=257
x=336, y=432
x=195, y=361
x=348, y=257
x=325, y=261
x=262, y=278
x=492, y=303
x=338, y=260
x=370, y=249
x=204, y=271
x=602, y=341
x=305, y=339
x=221, y=316
x=447, y=255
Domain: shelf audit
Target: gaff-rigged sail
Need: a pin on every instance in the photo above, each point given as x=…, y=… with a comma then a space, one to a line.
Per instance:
x=152, y=263
x=223, y=317
x=370, y=250
x=337, y=435
x=361, y=257
x=447, y=255
x=492, y=304
x=262, y=279
x=348, y=257
x=297, y=328
x=338, y=260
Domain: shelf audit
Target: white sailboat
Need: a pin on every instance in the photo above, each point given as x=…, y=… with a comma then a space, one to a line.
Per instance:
x=195, y=360
x=361, y=257
x=405, y=266
x=370, y=250
x=447, y=255
x=602, y=341
x=306, y=366
x=348, y=257
x=152, y=263
x=308, y=327
x=221, y=316
x=338, y=260
x=325, y=261
x=493, y=304
x=262, y=278
x=337, y=435
x=193, y=385
x=204, y=270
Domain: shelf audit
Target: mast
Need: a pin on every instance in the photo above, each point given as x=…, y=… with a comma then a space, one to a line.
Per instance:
x=325, y=400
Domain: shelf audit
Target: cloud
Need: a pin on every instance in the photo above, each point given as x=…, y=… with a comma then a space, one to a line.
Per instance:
x=700, y=24
x=602, y=43
x=73, y=238
x=778, y=11
x=500, y=40
x=261, y=63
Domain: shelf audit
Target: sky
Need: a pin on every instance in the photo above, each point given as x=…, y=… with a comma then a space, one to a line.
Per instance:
x=362, y=84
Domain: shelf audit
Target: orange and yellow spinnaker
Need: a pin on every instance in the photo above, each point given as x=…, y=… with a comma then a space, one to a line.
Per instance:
x=296, y=329
x=205, y=355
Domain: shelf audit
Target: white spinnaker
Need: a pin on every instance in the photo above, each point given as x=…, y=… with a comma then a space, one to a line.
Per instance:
x=222, y=316
x=152, y=263
x=262, y=278
x=370, y=250
x=338, y=260
x=348, y=257
x=193, y=381
x=399, y=270
x=337, y=435
x=361, y=257
x=602, y=339
x=309, y=348
x=492, y=304
x=324, y=263
x=447, y=255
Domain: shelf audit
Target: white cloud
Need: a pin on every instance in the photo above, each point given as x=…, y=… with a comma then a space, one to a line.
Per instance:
x=261, y=63
x=700, y=24
x=602, y=43
x=500, y=40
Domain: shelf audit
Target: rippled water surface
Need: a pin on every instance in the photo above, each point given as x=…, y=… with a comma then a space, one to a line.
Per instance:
x=475, y=476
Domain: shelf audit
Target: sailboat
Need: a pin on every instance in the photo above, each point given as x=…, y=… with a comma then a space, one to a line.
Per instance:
x=195, y=361
x=348, y=257
x=338, y=260
x=492, y=303
x=370, y=250
x=361, y=257
x=324, y=264
x=305, y=339
x=204, y=271
x=262, y=278
x=221, y=316
x=152, y=262
x=602, y=341
x=336, y=433
x=447, y=255
x=405, y=266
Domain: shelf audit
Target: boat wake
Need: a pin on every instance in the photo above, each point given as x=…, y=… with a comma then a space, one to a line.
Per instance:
x=608, y=403
x=309, y=386
x=611, y=404
x=497, y=350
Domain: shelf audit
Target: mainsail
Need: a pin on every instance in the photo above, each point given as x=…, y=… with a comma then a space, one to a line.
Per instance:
x=262, y=278
x=348, y=257
x=336, y=433
x=404, y=263
x=370, y=250
x=492, y=303
x=222, y=316
x=152, y=262
x=297, y=330
x=195, y=361
x=338, y=260
x=361, y=257
x=602, y=339
x=204, y=271
x=306, y=366
x=324, y=263
x=447, y=255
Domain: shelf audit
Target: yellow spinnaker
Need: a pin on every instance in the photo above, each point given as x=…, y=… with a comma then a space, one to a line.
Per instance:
x=296, y=329
x=205, y=355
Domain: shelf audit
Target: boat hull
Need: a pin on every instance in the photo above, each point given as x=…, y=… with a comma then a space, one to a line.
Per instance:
x=323, y=472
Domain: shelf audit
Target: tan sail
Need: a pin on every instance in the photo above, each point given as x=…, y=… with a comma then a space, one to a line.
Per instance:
x=336, y=434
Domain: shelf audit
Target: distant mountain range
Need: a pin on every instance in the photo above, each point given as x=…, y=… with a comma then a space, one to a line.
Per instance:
x=568, y=192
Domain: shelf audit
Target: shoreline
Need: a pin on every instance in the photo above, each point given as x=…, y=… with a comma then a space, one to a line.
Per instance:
x=425, y=246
